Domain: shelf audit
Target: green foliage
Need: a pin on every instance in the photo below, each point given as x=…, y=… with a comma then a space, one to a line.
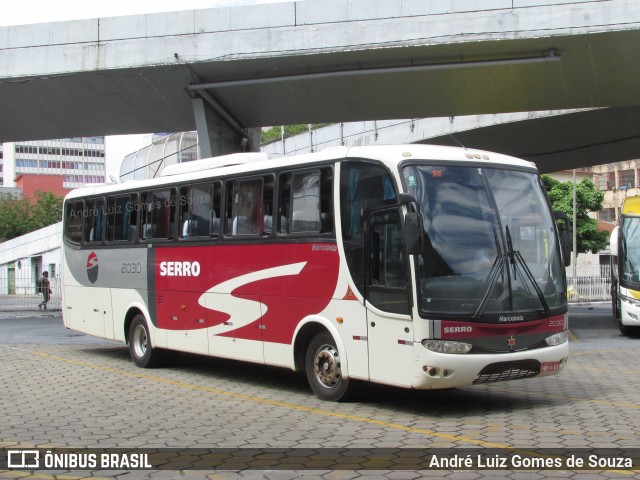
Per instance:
x=19, y=216
x=274, y=134
x=588, y=199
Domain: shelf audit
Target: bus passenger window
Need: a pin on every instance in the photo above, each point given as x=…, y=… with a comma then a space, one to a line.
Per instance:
x=157, y=208
x=93, y=221
x=247, y=207
x=305, y=204
x=200, y=206
x=73, y=224
x=119, y=216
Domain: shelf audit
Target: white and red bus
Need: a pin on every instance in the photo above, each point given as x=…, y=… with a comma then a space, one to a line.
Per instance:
x=417, y=266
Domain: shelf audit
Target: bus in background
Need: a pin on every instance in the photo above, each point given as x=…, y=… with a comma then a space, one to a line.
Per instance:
x=625, y=267
x=416, y=266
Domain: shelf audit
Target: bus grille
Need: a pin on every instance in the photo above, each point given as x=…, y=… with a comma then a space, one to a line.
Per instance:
x=503, y=371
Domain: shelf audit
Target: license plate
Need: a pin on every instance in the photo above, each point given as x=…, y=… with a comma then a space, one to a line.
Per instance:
x=549, y=367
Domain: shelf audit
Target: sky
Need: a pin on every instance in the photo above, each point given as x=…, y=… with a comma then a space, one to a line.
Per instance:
x=22, y=12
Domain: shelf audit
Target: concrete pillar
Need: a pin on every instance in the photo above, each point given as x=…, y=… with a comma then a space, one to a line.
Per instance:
x=218, y=135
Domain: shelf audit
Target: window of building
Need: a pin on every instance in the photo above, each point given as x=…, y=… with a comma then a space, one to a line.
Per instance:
x=607, y=215
x=607, y=181
x=626, y=179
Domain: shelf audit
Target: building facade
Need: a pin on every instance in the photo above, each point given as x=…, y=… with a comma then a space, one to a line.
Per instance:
x=617, y=181
x=78, y=161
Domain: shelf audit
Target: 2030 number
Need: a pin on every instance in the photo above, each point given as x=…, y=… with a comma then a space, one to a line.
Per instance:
x=131, y=268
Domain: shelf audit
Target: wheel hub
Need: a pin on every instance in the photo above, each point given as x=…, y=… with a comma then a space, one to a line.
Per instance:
x=327, y=366
x=140, y=341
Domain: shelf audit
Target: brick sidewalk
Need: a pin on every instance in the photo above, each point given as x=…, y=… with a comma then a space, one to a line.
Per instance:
x=92, y=396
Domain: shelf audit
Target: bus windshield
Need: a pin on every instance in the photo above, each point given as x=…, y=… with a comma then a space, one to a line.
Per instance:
x=630, y=251
x=490, y=246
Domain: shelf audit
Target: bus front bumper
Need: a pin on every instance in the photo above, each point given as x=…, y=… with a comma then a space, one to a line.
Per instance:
x=442, y=370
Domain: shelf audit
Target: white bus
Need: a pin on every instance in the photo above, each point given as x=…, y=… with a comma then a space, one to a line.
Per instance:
x=625, y=267
x=417, y=266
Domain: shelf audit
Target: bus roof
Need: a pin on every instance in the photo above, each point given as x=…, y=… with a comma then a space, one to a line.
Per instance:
x=246, y=163
x=631, y=206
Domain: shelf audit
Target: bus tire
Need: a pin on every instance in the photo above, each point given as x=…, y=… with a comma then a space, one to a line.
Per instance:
x=142, y=352
x=323, y=369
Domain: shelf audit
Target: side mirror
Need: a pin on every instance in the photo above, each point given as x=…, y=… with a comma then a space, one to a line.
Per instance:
x=566, y=236
x=613, y=242
x=405, y=198
x=414, y=232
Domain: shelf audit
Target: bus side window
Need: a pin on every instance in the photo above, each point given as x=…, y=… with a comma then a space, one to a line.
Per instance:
x=119, y=216
x=247, y=207
x=73, y=225
x=363, y=186
x=93, y=232
x=305, y=202
x=387, y=282
x=198, y=211
x=326, y=200
x=157, y=207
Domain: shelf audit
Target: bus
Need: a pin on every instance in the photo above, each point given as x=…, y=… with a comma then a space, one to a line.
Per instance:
x=416, y=266
x=625, y=267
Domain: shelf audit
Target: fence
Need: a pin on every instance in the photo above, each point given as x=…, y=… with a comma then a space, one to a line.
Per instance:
x=593, y=284
x=589, y=287
x=24, y=294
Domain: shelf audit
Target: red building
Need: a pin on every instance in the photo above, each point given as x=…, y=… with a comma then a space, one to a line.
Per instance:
x=30, y=184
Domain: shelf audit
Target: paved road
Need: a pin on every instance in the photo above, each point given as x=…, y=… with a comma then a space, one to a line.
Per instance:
x=59, y=388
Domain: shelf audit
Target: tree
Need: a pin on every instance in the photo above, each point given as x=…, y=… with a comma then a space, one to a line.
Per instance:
x=588, y=199
x=19, y=216
x=274, y=134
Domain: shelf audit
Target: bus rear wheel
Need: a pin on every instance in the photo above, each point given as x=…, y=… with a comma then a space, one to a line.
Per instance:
x=142, y=352
x=324, y=370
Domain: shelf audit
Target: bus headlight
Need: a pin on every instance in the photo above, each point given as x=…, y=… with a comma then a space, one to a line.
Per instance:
x=557, y=339
x=446, y=346
x=630, y=300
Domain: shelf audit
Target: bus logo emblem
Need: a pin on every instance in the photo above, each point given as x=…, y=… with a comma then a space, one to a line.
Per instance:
x=92, y=267
x=511, y=341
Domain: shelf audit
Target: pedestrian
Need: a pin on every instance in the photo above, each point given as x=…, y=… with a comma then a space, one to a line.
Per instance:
x=44, y=286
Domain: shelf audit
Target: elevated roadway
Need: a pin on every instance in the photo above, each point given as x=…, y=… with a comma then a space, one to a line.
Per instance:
x=555, y=140
x=227, y=71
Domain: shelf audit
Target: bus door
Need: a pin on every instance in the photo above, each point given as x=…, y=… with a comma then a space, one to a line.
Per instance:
x=388, y=299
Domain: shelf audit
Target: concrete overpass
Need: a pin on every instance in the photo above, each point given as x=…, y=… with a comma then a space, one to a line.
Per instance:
x=555, y=140
x=227, y=71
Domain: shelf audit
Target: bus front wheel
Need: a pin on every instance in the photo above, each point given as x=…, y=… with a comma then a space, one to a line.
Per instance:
x=142, y=352
x=324, y=370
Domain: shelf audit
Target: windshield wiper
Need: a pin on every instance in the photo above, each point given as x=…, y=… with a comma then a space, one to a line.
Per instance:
x=511, y=253
x=515, y=257
x=492, y=279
